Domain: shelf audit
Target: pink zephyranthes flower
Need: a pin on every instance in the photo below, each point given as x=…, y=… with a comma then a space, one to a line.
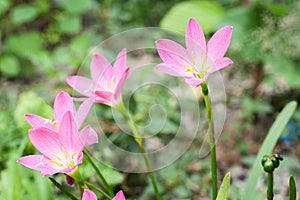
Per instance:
x=107, y=81
x=119, y=196
x=89, y=195
x=61, y=151
x=63, y=103
x=198, y=60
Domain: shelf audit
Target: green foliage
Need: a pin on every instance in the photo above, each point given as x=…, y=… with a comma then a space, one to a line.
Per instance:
x=9, y=65
x=266, y=148
x=29, y=102
x=23, y=13
x=31, y=185
x=81, y=6
x=292, y=189
x=224, y=188
x=4, y=5
x=24, y=44
x=265, y=33
x=206, y=12
x=69, y=24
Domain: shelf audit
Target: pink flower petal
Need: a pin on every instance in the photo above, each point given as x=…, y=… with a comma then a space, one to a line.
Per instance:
x=88, y=136
x=88, y=195
x=119, y=86
x=173, y=70
x=104, y=97
x=223, y=62
x=98, y=65
x=194, y=82
x=38, y=162
x=82, y=85
x=194, y=34
x=172, y=53
x=120, y=64
x=119, y=196
x=45, y=140
x=33, y=162
x=63, y=103
x=219, y=42
x=68, y=134
x=37, y=122
x=83, y=111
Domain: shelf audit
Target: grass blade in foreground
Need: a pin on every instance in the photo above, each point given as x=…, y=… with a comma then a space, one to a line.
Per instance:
x=292, y=190
x=61, y=188
x=267, y=147
x=224, y=189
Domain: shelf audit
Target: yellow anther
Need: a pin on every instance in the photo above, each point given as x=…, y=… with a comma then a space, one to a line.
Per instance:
x=193, y=57
x=65, y=153
x=112, y=82
x=55, y=125
x=204, y=61
x=56, y=156
x=189, y=68
x=57, y=163
x=74, y=154
x=71, y=165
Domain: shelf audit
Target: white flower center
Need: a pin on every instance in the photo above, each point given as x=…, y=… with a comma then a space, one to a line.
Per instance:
x=194, y=70
x=65, y=160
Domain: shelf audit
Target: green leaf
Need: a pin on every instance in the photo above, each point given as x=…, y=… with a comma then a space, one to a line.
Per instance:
x=30, y=102
x=267, y=147
x=292, y=190
x=43, y=61
x=223, y=192
x=80, y=45
x=24, y=44
x=76, y=8
x=61, y=55
x=23, y=13
x=243, y=19
x=9, y=66
x=115, y=177
x=4, y=6
x=284, y=67
x=207, y=13
x=69, y=24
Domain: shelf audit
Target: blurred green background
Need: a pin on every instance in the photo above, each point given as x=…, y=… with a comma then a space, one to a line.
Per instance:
x=44, y=41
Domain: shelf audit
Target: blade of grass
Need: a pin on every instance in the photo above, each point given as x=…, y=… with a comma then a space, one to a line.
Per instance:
x=267, y=147
x=61, y=188
x=224, y=189
x=292, y=190
x=99, y=174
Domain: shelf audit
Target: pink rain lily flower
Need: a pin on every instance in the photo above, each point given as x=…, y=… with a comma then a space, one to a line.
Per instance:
x=89, y=195
x=61, y=151
x=119, y=196
x=107, y=81
x=62, y=104
x=198, y=60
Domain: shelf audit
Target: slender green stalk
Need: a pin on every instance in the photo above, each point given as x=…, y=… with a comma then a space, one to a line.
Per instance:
x=99, y=174
x=270, y=193
x=98, y=189
x=139, y=140
x=212, y=145
x=61, y=188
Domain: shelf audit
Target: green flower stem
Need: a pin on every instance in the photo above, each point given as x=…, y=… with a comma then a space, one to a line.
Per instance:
x=99, y=190
x=139, y=140
x=270, y=193
x=99, y=174
x=212, y=145
x=62, y=189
